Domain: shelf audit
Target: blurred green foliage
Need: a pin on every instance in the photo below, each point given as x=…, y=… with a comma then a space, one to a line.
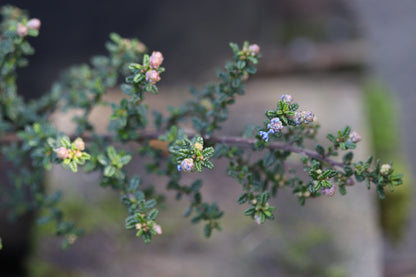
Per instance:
x=384, y=125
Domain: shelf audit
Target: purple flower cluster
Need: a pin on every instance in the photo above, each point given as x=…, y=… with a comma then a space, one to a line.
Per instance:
x=186, y=165
x=329, y=191
x=303, y=117
x=274, y=126
x=286, y=98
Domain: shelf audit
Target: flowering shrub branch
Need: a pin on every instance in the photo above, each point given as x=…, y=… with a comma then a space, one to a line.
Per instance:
x=25, y=131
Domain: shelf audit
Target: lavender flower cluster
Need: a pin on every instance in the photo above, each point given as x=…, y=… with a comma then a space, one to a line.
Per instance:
x=275, y=125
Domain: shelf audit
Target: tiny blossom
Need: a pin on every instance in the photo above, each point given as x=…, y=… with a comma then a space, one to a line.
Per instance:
x=264, y=135
x=303, y=117
x=157, y=228
x=155, y=60
x=79, y=144
x=78, y=154
x=349, y=182
x=198, y=146
x=187, y=165
x=257, y=219
x=21, y=30
x=385, y=169
x=152, y=76
x=329, y=191
x=275, y=125
x=33, y=24
x=254, y=49
x=286, y=98
x=355, y=137
x=62, y=153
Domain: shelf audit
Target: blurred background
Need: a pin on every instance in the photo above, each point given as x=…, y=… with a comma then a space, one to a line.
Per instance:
x=351, y=62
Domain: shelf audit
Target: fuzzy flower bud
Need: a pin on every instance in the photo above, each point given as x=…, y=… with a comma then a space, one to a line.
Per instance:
x=21, y=30
x=198, y=146
x=152, y=76
x=355, y=137
x=155, y=60
x=385, y=169
x=257, y=219
x=79, y=144
x=187, y=165
x=157, y=228
x=62, y=153
x=303, y=117
x=286, y=98
x=33, y=24
x=275, y=125
x=349, y=182
x=329, y=191
x=254, y=49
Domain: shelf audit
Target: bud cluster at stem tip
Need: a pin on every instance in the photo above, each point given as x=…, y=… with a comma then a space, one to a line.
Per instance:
x=65, y=153
x=276, y=124
x=32, y=24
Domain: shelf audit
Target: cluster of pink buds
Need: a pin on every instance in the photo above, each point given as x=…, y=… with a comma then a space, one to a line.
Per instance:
x=198, y=146
x=155, y=60
x=254, y=49
x=152, y=76
x=355, y=137
x=329, y=191
x=64, y=153
x=33, y=24
x=146, y=227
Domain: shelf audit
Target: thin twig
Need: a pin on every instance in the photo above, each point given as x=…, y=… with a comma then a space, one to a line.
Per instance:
x=154, y=135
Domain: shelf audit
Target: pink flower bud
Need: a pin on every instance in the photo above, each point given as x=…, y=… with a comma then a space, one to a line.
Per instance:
x=198, y=146
x=254, y=49
x=33, y=24
x=21, y=30
x=349, y=182
x=257, y=219
x=385, y=169
x=79, y=144
x=62, y=153
x=157, y=228
x=355, y=137
x=329, y=191
x=152, y=76
x=155, y=60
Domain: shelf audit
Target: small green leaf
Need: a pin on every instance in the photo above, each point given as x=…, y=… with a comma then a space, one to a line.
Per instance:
x=125, y=159
x=111, y=151
x=153, y=214
x=207, y=230
x=320, y=149
x=243, y=198
x=109, y=171
x=102, y=159
x=73, y=166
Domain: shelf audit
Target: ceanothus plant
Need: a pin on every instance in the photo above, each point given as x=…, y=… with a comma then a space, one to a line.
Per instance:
x=31, y=143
